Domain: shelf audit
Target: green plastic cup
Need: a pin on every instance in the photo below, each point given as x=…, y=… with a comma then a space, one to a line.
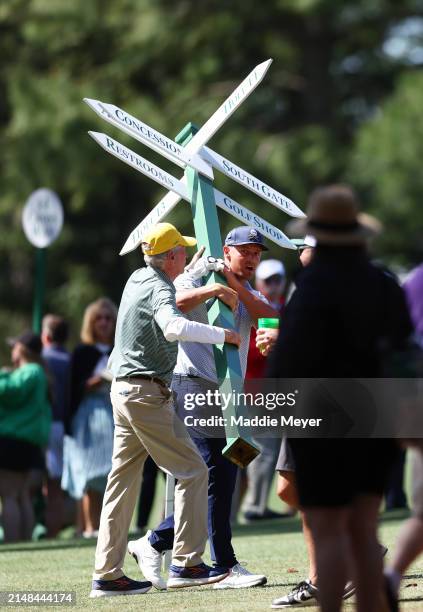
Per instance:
x=269, y=323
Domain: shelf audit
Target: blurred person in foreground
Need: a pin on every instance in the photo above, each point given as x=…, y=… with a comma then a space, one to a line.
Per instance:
x=343, y=311
x=54, y=334
x=25, y=419
x=88, y=447
x=410, y=539
x=148, y=329
x=270, y=281
x=305, y=592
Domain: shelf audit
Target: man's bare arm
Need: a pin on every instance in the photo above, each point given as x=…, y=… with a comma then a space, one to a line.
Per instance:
x=255, y=306
x=188, y=299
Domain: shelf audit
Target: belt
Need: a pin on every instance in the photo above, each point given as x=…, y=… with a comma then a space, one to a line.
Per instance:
x=187, y=376
x=153, y=379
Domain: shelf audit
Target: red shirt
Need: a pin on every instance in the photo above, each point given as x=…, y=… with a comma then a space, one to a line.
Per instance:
x=256, y=363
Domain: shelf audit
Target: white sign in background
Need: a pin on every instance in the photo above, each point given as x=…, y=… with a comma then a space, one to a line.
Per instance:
x=42, y=217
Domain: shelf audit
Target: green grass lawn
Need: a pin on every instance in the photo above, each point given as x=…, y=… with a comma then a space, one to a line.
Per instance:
x=275, y=548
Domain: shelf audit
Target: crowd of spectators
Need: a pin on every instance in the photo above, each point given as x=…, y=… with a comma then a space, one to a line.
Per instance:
x=56, y=426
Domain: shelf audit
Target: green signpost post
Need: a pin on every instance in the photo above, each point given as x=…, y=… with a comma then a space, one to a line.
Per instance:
x=189, y=151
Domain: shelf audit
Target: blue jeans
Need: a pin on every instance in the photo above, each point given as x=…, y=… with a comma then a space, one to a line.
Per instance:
x=222, y=477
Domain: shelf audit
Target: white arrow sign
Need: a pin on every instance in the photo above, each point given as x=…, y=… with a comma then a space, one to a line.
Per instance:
x=148, y=136
x=229, y=106
x=251, y=182
x=166, y=204
x=204, y=134
x=159, y=212
x=139, y=163
x=249, y=218
x=188, y=156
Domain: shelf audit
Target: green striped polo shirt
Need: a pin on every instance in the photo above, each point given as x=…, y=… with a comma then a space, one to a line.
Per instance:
x=148, y=302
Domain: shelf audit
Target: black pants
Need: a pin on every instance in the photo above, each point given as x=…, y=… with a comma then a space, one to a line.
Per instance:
x=148, y=490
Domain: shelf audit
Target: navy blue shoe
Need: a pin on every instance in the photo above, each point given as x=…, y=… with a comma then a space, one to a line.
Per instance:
x=195, y=575
x=119, y=586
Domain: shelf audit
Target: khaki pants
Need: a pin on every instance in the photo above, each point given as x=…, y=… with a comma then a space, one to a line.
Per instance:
x=145, y=424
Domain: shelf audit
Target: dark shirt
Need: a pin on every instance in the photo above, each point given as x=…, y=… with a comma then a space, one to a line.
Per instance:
x=344, y=312
x=58, y=364
x=84, y=359
x=346, y=317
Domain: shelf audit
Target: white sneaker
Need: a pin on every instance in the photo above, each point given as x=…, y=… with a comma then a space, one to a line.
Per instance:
x=302, y=595
x=240, y=578
x=148, y=559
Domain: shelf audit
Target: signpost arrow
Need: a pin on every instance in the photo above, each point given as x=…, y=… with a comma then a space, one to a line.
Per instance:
x=148, y=136
x=178, y=187
x=249, y=218
x=251, y=182
x=228, y=107
x=159, y=212
x=204, y=134
x=139, y=163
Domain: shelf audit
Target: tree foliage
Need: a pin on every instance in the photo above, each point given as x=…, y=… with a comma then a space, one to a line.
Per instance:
x=173, y=61
x=387, y=166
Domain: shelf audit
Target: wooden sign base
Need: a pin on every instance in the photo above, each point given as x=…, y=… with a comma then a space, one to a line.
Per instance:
x=240, y=451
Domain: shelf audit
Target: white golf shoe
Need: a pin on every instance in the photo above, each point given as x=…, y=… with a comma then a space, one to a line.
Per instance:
x=149, y=560
x=240, y=578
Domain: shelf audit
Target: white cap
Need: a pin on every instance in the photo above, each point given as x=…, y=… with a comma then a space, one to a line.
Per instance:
x=310, y=241
x=268, y=268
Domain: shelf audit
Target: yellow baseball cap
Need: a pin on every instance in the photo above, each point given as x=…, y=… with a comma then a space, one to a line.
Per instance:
x=163, y=237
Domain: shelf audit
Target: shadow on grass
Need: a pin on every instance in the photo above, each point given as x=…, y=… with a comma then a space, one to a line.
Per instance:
x=293, y=524
x=286, y=525
x=47, y=545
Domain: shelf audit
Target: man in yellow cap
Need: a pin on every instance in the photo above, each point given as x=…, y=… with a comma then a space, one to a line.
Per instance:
x=195, y=377
x=148, y=327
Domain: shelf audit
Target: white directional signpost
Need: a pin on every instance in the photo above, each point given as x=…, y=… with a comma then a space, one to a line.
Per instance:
x=189, y=150
x=42, y=221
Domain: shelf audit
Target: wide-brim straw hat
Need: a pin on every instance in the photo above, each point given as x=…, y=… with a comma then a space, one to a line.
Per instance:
x=333, y=218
